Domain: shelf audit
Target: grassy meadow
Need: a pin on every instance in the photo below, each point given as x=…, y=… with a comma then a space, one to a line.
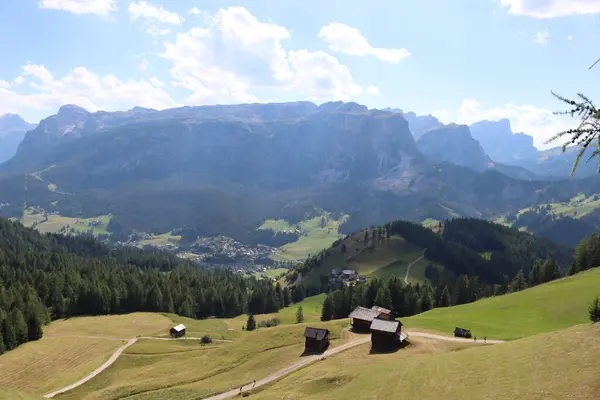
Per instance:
x=558, y=365
x=545, y=308
x=189, y=370
x=315, y=236
x=60, y=224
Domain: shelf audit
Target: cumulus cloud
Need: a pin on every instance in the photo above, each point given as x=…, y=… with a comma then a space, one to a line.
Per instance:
x=541, y=38
x=152, y=18
x=195, y=11
x=538, y=122
x=346, y=39
x=143, y=65
x=81, y=7
x=373, y=90
x=82, y=87
x=236, y=53
x=551, y=8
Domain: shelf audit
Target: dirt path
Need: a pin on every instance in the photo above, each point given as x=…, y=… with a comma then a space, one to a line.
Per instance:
x=451, y=338
x=410, y=265
x=98, y=370
x=291, y=368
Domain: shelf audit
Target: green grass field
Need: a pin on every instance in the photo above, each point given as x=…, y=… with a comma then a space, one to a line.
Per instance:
x=560, y=365
x=388, y=257
x=317, y=233
x=60, y=224
x=162, y=240
x=9, y=394
x=545, y=308
x=271, y=273
x=189, y=370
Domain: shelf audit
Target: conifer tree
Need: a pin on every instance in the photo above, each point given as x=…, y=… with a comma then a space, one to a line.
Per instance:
x=20, y=326
x=327, y=310
x=299, y=315
x=251, y=323
x=595, y=310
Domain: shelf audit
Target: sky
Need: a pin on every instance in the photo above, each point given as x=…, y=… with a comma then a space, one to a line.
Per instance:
x=460, y=60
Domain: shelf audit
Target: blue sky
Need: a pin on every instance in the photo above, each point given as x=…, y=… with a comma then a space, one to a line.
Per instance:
x=460, y=60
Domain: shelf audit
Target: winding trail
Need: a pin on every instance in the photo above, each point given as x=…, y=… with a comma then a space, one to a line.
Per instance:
x=271, y=378
x=98, y=370
x=411, y=264
x=114, y=357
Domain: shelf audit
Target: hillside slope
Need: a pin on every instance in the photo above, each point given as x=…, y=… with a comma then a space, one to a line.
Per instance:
x=524, y=369
x=544, y=308
x=473, y=247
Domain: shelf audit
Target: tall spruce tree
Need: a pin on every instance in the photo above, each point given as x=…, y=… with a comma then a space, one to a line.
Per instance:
x=299, y=315
x=327, y=310
x=595, y=310
x=251, y=323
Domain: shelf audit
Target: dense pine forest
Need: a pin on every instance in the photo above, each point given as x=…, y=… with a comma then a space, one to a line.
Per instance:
x=47, y=277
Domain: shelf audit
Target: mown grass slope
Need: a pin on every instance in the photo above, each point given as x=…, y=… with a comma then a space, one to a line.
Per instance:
x=190, y=370
x=72, y=348
x=552, y=306
x=558, y=365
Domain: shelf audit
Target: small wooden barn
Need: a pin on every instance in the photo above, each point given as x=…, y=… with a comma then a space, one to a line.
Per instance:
x=178, y=330
x=362, y=318
x=384, y=313
x=316, y=339
x=386, y=334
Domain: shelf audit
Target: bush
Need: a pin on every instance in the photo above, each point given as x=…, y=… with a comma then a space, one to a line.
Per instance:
x=206, y=339
x=269, y=323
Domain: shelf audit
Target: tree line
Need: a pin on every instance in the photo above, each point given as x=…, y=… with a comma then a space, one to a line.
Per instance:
x=47, y=277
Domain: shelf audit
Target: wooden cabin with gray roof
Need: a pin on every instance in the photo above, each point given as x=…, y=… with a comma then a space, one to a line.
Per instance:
x=386, y=334
x=363, y=317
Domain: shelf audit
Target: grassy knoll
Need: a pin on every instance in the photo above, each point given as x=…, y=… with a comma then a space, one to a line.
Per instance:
x=59, y=224
x=316, y=234
x=544, y=308
x=271, y=273
x=557, y=365
x=189, y=370
x=50, y=363
x=112, y=326
x=10, y=394
x=387, y=257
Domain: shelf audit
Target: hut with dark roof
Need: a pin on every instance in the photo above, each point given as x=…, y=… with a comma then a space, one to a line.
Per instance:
x=386, y=334
x=316, y=339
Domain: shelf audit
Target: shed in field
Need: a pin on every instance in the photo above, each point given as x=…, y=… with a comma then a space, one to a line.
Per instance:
x=317, y=339
x=386, y=334
x=362, y=318
x=384, y=313
x=178, y=330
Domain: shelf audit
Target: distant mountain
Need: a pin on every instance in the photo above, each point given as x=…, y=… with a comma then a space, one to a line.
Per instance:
x=501, y=144
x=453, y=143
x=12, y=132
x=421, y=124
x=225, y=169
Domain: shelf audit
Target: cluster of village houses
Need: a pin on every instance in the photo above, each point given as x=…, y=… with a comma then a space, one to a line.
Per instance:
x=347, y=276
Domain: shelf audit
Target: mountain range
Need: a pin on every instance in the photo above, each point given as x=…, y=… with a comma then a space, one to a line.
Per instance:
x=12, y=132
x=225, y=169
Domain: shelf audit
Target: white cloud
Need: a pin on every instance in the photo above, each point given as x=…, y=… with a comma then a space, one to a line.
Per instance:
x=82, y=87
x=236, y=53
x=195, y=11
x=80, y=7
x=144, y=11
x=570, y=37
x=551, y=8
x=346, y=39
x=157, y=82
x=538, y=122
x=541, y=38
x=4, y=84
x=373, y=90
x=143, y=65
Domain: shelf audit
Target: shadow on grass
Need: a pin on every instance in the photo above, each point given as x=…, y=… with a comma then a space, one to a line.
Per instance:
x=388, y=350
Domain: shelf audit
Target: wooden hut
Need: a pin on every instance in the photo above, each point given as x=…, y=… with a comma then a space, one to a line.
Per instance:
x=178, y=330
x=384, y=313
x=386, y=334
x=316, y=339
x=362, y=318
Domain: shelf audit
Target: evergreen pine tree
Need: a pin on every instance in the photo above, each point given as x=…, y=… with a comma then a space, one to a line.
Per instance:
x=383, y=298
x=251, y=323
x=20, y=326
x=34, y=327
x=299, y=315
x=8, y=333
x=595, y=310
x=550, y=271
x=327, y=310
x=154, y=301
x=518, y=283
x=444, y=298
x=287, y=297
x=535, y=275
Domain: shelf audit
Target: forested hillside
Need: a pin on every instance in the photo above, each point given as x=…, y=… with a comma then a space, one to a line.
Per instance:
x=47, y=277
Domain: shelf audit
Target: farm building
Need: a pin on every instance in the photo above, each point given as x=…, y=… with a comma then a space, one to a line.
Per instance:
x=386, y=334
x=384, y=313
x=317, y=339
x=178, y=330
x=362, y=317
